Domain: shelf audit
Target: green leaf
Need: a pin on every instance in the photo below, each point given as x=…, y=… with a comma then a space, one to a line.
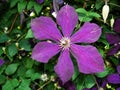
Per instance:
x=21, y=6
x=35, y=76
x=86, y=16
x=29, y=34
x=29, y=73
x=30, y=5
x=11, y=68
x=3, y=38
x=10, y=84
x=99, y=4
x=38, y=8
x=81, y=10
x=89, y=81
x=1, y=51
x=29, y=63
x=2, y=79
x=105, y=73
x=25, y=45
x=24, y=85
x=12, y=50
x=93, y=14
x=80, y=82
x=21, y=71
x=13, y=3
x=2, y=68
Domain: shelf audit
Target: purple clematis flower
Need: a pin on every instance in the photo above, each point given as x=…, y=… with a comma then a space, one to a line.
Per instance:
x=115, y=77
x=114, y=39
x=88, y=58
x=40, y=1
x=1, y=62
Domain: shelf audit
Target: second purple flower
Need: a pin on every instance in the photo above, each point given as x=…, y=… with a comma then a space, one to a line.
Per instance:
x=64, y=41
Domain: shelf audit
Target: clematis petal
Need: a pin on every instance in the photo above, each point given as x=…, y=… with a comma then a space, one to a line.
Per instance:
x=113, y=50
x=88, y=58
x=43, y=51
x=67, y=18
x=117, y=25
x=114, y=78
x=112, y=38
x=88, y=33
x=64, y=67
x=45, y=28
x=118, y=88
x=1, y=62
x=118, y=69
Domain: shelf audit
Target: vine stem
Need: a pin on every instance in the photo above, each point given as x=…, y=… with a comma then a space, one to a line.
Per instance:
x=11, y=27
x=44, y=85
x=114, y=4
x=96, y=81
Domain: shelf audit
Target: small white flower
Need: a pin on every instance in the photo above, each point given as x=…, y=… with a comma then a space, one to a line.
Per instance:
x=44, y=77
x=105, y=12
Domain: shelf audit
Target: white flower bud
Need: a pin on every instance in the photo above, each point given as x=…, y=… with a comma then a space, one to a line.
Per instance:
x=54, y=14
x=32, y=14
x=105, y=12
x=6, y=28
x=112, y=22
x=17, y=44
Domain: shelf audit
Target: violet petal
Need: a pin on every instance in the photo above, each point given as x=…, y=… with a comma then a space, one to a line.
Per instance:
x=45, y=28
x=118, y=88
x=113, y=50
x=69, y=86
x=112, y=38
x=64, y=67
x=88, y=33
x=1, y=62
x=67, y=18
x=88, y=58
x=43, y=51
x=40, y=1
x=117, y=25
x=114, y=78
x=118, y=69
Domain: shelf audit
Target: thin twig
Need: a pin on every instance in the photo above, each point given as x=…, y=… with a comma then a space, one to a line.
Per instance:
x=13, y=23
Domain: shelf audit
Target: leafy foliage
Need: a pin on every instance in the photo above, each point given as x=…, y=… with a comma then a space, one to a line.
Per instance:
x=20, y=72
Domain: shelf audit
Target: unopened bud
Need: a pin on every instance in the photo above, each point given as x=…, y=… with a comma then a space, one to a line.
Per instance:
x=17, y=44
x=18, y=27
x=32, y=14
x=105, y=12
x=6, y=28
x=112, y=22
x=3, y=48
x=54, y=14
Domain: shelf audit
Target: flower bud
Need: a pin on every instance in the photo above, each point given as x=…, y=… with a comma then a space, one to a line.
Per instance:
x=105, y=12
x=112, y=22
x=32, y=14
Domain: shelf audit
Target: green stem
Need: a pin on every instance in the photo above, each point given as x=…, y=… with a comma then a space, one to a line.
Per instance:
x=114, y=4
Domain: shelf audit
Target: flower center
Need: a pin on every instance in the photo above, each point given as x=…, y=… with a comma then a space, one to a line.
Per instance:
x=65, y=42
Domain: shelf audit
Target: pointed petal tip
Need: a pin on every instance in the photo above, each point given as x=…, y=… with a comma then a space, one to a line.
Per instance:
x=64, y=68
